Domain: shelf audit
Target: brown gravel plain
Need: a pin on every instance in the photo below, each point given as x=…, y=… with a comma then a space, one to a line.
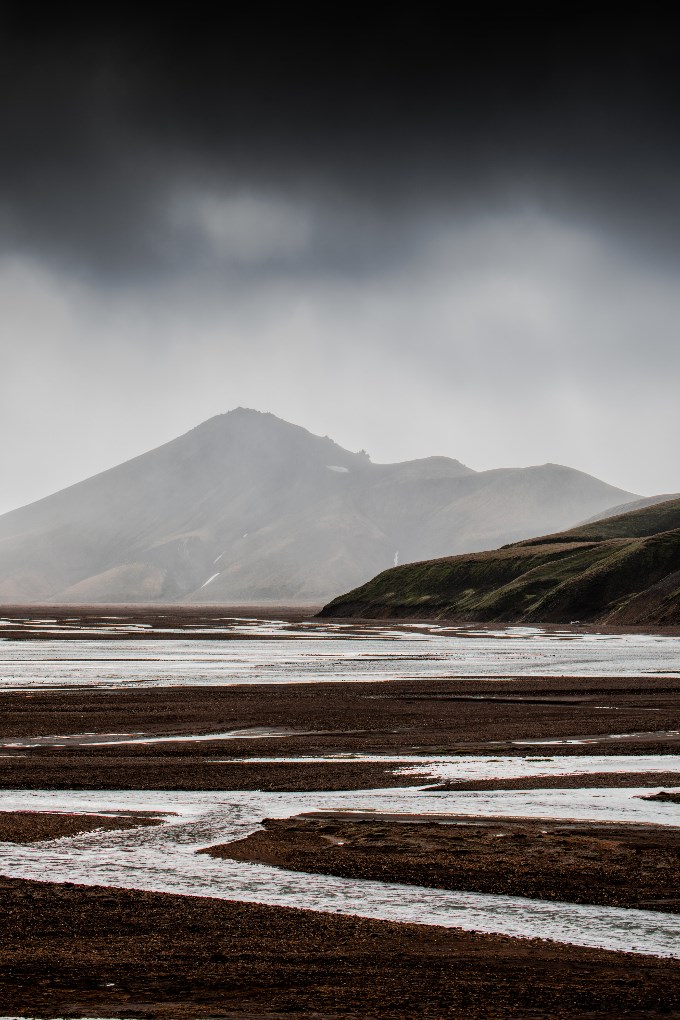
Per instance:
x=437, y=716
x=33, y=826
x=578, y=862
x=69, y=951
x=73, y=951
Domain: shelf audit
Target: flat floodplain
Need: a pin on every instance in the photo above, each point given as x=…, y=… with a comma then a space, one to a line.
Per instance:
x=115, y=652
x=387, y=753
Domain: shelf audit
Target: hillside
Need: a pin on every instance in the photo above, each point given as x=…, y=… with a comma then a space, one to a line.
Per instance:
x=635, y=504
x=249, y=508
x=622, y=570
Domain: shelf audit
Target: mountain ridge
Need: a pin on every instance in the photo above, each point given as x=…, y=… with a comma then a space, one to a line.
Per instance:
x=248, y=508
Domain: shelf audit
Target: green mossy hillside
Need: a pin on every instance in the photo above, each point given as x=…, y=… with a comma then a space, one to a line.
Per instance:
x=623, y=570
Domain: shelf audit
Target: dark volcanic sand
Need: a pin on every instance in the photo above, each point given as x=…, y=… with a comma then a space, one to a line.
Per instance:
x=32, y=826
x=79, y=951
x=111, y=620
x=670, y=796
x=68, y=950
x=84, y=772
x=87, y=772
x=400, y=717
x=434, y=714
x=619, y=780
x=578, y=862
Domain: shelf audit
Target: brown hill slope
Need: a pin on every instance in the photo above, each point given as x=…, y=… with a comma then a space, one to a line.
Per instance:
x=622, y=570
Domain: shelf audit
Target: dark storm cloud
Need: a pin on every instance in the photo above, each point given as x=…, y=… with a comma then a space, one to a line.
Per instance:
x=362, y=132
x=336, y=217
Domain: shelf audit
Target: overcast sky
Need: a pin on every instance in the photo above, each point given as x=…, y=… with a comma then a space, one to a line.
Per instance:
x=417, y=238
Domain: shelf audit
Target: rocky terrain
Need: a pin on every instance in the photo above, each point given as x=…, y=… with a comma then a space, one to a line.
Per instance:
x=72, y=950
x=34, y=826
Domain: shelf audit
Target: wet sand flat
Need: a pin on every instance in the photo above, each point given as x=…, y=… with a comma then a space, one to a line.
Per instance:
x=621, y=865
x=109, y=952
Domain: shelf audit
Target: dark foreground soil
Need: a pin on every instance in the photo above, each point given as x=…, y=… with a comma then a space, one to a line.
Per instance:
x=88, y=772
x=70, y=951
x=578, y=862
x=619, y=780
x=78, y=951
x=33, y=826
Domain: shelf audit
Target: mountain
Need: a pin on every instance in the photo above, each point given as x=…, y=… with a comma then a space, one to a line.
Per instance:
x=622, y=570
x=636, y=504
x=247, y=508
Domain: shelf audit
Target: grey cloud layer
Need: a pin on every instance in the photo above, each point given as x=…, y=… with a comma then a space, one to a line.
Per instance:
x=519, y=339
x=368, y=130
x=414, y=238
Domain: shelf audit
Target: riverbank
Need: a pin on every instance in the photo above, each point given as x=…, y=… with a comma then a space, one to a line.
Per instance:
x=578, y=862
x=510, y=717
x=112, y=952
x=365, y=708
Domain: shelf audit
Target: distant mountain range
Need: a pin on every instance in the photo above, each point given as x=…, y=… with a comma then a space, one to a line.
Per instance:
x=247, y=508
x=623, y=570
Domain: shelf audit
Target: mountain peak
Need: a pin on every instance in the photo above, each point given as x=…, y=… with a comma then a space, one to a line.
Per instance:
x=247, y=507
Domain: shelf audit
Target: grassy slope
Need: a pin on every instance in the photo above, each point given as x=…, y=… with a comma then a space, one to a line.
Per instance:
x=625, y=569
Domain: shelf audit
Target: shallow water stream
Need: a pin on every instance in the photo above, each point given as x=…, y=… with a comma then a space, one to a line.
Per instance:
x=164, y=859
x=267, y=652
